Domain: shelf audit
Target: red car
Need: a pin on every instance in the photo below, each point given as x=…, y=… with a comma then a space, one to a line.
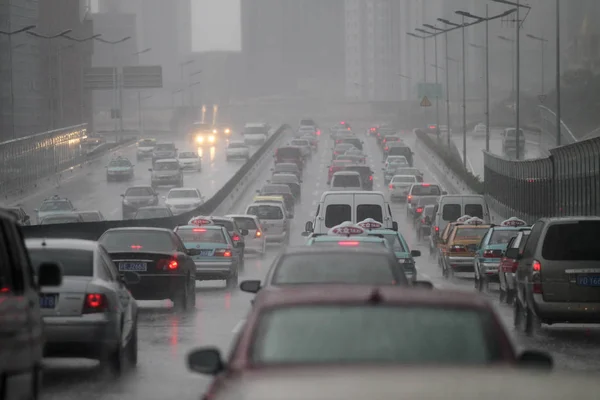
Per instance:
x=311, y=327
x=336, y=165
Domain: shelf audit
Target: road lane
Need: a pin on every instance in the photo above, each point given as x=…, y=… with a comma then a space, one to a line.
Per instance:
x=166, y=336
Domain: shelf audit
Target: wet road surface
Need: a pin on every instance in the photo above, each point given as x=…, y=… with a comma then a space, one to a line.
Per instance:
x=166, y=336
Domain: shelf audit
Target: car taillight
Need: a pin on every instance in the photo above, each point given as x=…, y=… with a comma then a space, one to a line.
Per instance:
x=537, y=277
x=136, y=247
x=514, y=266
x=386, y=148
x=391, y=186
x=236, y=238
x=348, y=243
x=436, y=228
x=95, y=303
x=492, y=254
x=258, y=234
x=330, y=169
x=223, y=253
x=419, y=210
x=168, y=264
x=458, y=249
x=409, y=197
x=371, y=177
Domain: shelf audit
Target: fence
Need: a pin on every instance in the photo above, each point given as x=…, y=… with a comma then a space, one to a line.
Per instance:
x=28, y=159
x=548, y=126
x=565, y=183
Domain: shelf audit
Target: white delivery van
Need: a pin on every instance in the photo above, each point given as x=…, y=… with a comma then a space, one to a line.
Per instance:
x=452, y=207
x=338, y=207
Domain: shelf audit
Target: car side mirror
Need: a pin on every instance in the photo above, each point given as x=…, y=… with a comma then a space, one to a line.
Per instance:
x=244, y=232
x=49, y=274
x=308, y=227
x=513, y=253
x=535, y=359
x=423, y=285
x=131, y=278
x=250, y=286
x=395, y=226
x=206, y=361
x=415, y=253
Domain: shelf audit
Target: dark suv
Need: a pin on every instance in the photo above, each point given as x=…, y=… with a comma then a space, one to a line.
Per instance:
x=164, y=150
x=366, y=175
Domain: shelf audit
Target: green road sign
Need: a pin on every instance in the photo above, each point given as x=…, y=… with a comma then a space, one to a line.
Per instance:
x=430, y=90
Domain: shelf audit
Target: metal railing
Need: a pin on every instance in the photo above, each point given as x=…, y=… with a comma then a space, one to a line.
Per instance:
x=565, y=183
x=548, y=126
x=26, y=160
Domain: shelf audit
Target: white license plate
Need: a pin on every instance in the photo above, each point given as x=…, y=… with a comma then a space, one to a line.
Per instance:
x=133, y=266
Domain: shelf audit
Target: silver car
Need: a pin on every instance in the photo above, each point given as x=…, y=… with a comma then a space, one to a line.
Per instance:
x=166, y=172
x=255, y=240
x=91, y=314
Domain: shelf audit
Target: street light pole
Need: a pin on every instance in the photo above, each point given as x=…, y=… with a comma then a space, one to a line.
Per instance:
x=449, y=131
x=543, y=44
x=558, y=120
x=464, y=96
x=487, y=79
x=437, y=95
x=518, y=84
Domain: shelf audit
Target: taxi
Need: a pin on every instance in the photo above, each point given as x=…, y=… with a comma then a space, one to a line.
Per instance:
x=443, y=239
x=348, y=235
x=119, y=168
x=462, y=244
x=289, y=207
x=489, y=254
x=217, y=259
x=395, y=241
x=54, y=205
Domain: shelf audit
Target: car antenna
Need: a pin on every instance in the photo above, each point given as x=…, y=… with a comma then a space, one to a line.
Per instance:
x=375, y=297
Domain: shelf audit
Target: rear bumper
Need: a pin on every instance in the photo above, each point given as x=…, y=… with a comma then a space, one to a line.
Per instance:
x=573, y=312
x=489, y=269
x=275, y=237
x=460, y=264
x=87, y=336
x=166, y=181
x=211, y=270
x=255, y=245
x=158, y=287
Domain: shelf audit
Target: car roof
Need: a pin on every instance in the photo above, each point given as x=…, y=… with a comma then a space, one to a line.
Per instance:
x=52, y=243
x=140, y=187
x=87, y=211
x=243, y=215
x=139, y=228
x=183, y=189
x=350, y=173
x=266, y=203
x=236, y=142
x=335, y=238
x=166, y=160
x=159, y=143
x=153, y=208
x=287, y=164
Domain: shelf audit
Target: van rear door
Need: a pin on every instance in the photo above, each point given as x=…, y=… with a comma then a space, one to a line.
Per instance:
x=336, y=208
x=369, y=205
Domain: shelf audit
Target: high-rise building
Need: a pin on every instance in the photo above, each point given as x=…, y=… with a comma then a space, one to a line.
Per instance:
x=293, y=48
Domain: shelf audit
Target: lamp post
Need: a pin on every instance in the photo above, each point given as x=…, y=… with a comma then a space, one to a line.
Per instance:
x=542, y=45
x=182, y=65
x=437, y=97
x=140, y=115
x=424, y=53
x=558, y=120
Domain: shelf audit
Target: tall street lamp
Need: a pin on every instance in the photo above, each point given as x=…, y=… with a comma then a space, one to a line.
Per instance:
x=558, y=120
x=512, y=63
x=542, y=45
x=182, y=65
x=424, y=53
x=435, y=28
x=437, y=97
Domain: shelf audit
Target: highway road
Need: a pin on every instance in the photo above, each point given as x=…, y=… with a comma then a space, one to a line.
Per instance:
x=166, y=336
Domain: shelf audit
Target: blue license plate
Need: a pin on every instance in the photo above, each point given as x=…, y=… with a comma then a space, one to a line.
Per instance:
x=133, y=266
x=588, y=280
x=48, y=301
x=206, y=253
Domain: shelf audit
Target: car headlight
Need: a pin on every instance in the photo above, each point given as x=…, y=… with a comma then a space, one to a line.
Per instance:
x=199, y=139
x=227, y=130
x=214, y=131
x=211, y=139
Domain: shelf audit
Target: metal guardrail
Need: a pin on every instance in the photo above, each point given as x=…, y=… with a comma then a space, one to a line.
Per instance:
x=565, y=183
x=548, y=126
x=26, y=160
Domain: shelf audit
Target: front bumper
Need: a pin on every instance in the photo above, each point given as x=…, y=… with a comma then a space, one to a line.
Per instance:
x=214, y=270
x=191, y=166
x=460, y=264
x=238, y=155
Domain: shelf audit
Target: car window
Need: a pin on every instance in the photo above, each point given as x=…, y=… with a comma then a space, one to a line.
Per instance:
x=366, y=334
x=201, y=235
x=73, y=262
x=288, y=152
x=165, y=147
x=451, y=212
x=146, y=143
x=394, y=242
x=66, y=219
x=353, y=268
x=228, y=225
x=139, y=192
x=136, y=240
x=364, y=211
x=166, y=166
x=404, y=179
x=234, y=145
x=56, y=206
x=245, y=223
x=188, y=154
x=577, y=241
x=474, y=210
x=534, y=238
x=464, y=233
x=90, y=216
x=119, y=163
x=346, y=181
x=266, y=212
x=502, y=236
x=335, y=214
x=183, y=194
x=426, y=190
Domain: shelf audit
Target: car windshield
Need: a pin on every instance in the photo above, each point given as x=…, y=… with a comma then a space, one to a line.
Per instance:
x=245, y=223
x=396, y=159
x=404, y=179
x=183, y=194
x=397, y=334
x=59, y=205
x=128, y=240
x=344, y=147
x=426, y=190
x=288, y=152
x=201, y=235
x=502, y=236
x=158, y=212
x=119, y=163
x=252, y=130
x=286, y=168
x=165, y=147
x=188, y=154
x=90, y=216
x=166, y=166
x=63, y=219
x=349, y=268
x=265, y=212
x=146, y=143
x=73, y=262
x=139, y=192
x=394, y=242
x=346, y=181
x=464, y=233
x=234, y=145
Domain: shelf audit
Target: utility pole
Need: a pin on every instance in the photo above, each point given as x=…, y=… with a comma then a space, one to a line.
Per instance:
x=558, y=119
x=487, y=79
x=437, y=96
x=518, y=84
x=464, y=56
x=447, y=90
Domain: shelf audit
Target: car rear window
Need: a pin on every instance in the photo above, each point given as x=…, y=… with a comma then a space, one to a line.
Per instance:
x=502, y=236
x=138, y=192
x=265, y=212
x=73, y=262
x=90, y=216
x=146, y=143
x=349, y=268
x=346, y=181
x=470, y=233
x=137, y=240
x=576, y=241
x=360, y=333
x=63, y=219
x=237, y=145
x=245, y=223
x=335, y=214
x=404, y=179
x=364, y=211
x=165, y=147
x=429, y=190
x=451, y=212
x=288, y=152
x=200, y=235
x=474, y=210
x=394, y=242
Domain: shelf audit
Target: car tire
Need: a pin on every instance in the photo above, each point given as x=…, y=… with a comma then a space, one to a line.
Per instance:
x=532, y=322
x=181, y=298
x=116, y=361
x=132, y=347
x=232, y=281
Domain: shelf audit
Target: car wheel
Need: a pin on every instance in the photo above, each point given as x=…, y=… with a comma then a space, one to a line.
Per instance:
x=232, y=281
x=116, y=361
x=132, y=347
x=181, y=300
x=532, y=322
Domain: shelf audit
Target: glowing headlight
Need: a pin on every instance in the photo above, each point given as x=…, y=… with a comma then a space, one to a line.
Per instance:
x=199, y=139
x=214, y=131
x=227, y=130
x=211, y=139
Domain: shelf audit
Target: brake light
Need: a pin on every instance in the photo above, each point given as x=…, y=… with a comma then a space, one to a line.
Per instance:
x=457, y=249
x=536, y=278
x=235, y=237
x=419, y=210
x=348, y=128
x=94, y=303
x=371, y=177
x=198, y=230
x=384, y=140
x=436, y=228
x=258, y=234
x=423, y=221
x=386, y=148
x=167, y=264
x=136, y=247
x=409, y=197
x=431, y=126
x=348, y=243
x=492, y=254
x=391, y=186
x=426, y=185
x=537, y=266
x=223, y=253
x=372, y=129
x=318, y=133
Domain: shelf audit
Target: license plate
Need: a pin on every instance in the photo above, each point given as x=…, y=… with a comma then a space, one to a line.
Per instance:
x=206, y=253
x=587, y=280
x=133, y=266
x=48, y=300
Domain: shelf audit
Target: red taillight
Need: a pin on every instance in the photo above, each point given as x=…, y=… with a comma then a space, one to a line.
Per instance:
x=318, y=133
x=431, y=126
x=167, y=264
x=258, y=234
x=223, y=253
x=537, y=277
x=136, y=247
x=348, y=243
x=537, y=266
x=436, y=228
x=236, y=238
x=371, y=177
x=386, y=148
x=426, y=185
x=458, y=249
x=372, y=129
x=384, y=140
x=95, y=302
x=419, y=210
x=330, y=169
x=514, y=266
x=391, y=186
x=198, y=230
x=348, y=128
x=409, y=197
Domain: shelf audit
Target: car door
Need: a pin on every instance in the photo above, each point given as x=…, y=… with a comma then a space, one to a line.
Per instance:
x=188, y=261
x=110, y=274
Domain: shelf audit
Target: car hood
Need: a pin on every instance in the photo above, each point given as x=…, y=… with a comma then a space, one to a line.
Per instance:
x=166, y=173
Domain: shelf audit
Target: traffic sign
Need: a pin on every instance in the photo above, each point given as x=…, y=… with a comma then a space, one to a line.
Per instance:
x=100, y=78
x=425, y=102
x=142, y=77
x=542, y=98
x=431, y=90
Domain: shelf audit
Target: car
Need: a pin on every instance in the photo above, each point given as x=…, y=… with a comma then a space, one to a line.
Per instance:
x=341, y=149
x=190, y=161
x=306, y=328
x=22, y=341
x=479, y=130
x=216, y=259
x=399, y=149
x=410, y=171
x=159, y=257
x=508, y=266
x=423, y=224
x=288, y=179
x=289, y=206
x=136, y=197
x=462, y=243
x=66, y=218
x=308, y=123
x=337, y=165
x=353, y=140
x=352, y=158
x=289, y=154
x=181, y=200
x=421, y=189
x=54, y=205
x=283, y=190
x=346, y=181
x=255, y=241
x=400, y=161
x=91, y=314
x=418, y=206
x=235, y=232
x=145, y=147
x=348, y=234
x=223, y=130
x=273, y=219
x=287, y=168
x=237, y=150
x=119, y=168
x=489, y=252
x=365, y=172
x=150, y=212
x=19, y=213
x=164, y=150
x=304, y=145
x=306, y=130
x=399, y=185
x=256, y=134
x=166, y=172
x=203, y=134
x=313, y=139
x=91, y=216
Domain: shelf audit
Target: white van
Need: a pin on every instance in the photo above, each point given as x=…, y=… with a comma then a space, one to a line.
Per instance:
x=452, y=207
x=338, y=207
x=346, y=180
x=273, y=220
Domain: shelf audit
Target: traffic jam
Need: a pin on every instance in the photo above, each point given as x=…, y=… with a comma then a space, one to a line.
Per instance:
x=322, y=260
